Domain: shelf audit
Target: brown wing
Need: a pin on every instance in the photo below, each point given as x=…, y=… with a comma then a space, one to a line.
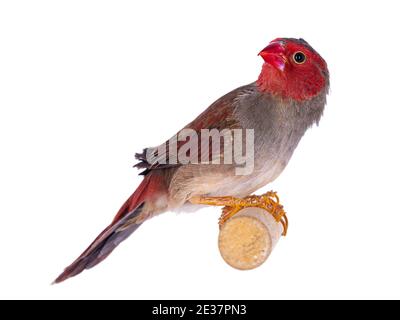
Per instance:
x=220, y=115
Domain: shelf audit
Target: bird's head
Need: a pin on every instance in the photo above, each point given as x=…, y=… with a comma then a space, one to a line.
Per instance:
x=292, y=69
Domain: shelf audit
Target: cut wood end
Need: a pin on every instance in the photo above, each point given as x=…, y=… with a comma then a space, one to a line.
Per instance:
x=247, y=239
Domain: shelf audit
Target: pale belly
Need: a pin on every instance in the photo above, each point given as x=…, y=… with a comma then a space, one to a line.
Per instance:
x=240, y=186
x=215, y=183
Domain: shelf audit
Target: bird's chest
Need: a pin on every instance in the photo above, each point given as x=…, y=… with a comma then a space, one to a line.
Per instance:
x=271, y=155
x=275, y=137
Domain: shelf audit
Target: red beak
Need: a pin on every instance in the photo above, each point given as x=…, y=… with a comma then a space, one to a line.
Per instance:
x=274, y=54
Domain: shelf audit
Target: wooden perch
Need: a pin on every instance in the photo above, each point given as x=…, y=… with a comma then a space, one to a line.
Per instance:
x=247, y=239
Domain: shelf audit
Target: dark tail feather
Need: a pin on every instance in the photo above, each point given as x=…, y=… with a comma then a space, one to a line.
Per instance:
x=124, y=224
x=105, y=242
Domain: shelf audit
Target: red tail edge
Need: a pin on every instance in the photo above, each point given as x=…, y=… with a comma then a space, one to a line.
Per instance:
x=120, y=228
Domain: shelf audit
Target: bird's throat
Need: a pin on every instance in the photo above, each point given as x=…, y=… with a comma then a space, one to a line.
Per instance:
x=289, y=85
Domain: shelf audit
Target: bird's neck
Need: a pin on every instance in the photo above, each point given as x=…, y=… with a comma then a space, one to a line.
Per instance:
x=293, y=114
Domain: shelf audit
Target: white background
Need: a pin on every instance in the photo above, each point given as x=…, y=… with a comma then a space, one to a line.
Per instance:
x=86, y=84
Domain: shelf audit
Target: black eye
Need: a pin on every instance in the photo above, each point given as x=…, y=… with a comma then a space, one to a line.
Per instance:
x=299, y=57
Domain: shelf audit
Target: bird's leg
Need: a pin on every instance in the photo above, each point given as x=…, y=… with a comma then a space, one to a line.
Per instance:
x=268, y=201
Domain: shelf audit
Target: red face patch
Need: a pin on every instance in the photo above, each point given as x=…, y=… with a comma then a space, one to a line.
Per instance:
x=292, y=69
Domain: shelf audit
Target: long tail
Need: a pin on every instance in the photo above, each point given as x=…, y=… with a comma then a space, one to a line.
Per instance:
x=127, y=220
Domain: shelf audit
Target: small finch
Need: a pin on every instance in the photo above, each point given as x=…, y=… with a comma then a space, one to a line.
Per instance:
x=288, y=97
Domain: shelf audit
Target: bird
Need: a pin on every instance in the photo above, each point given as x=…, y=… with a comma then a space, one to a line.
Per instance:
x=288, y=97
